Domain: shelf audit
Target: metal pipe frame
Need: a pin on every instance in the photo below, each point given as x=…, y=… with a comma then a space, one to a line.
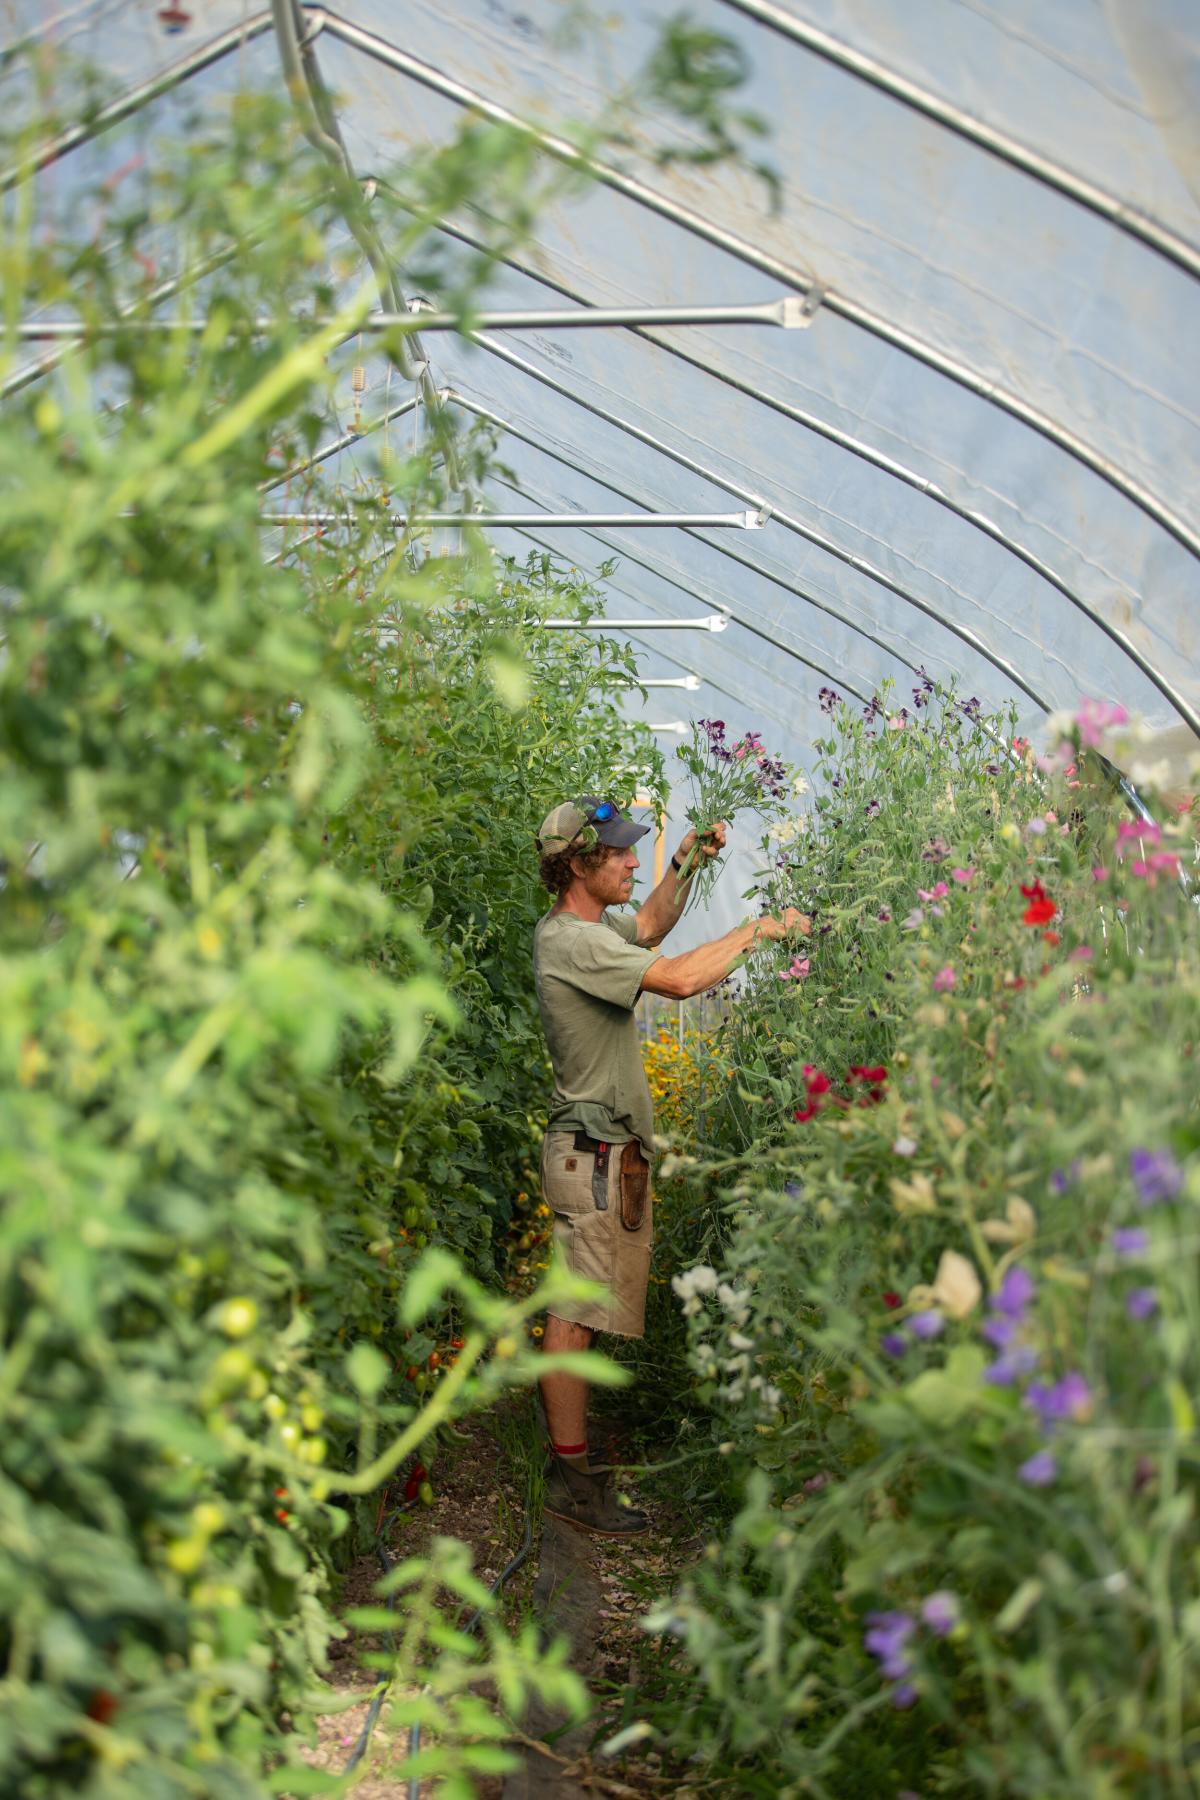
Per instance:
x=320, y=19
x=887, y=465
x=598, y=624
x=734, y=617
x=134, y=98
x=787, y=312
x=1130, y=219
x=841, y=305
x=859, y=564
x=740, y=521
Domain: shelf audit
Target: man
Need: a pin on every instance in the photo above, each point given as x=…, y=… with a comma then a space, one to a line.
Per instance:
x=590, y=966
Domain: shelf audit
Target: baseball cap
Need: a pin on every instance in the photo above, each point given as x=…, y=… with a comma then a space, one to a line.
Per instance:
x=611, y=826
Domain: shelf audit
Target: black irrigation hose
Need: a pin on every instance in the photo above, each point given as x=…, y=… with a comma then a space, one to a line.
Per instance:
x=372, y=1718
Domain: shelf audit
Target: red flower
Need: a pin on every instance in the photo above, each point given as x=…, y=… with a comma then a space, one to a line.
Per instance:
x=814, y=1080
x=892, y=1301
x=803, y=1114
x=1041, y=909
x=1051, y=937
x=858, y=1073
x=102, y=1706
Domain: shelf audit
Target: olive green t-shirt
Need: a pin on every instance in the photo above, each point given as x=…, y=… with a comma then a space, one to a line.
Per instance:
x=588, y=977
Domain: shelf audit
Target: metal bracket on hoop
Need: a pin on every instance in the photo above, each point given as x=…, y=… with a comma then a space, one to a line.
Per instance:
x=798, y=311
x=756, y=520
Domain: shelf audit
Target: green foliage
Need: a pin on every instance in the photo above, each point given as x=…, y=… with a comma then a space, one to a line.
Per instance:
x=954, y=1400
x=266, y=1022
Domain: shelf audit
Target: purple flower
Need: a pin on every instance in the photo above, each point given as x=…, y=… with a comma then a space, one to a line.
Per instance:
x=1070, y=1398
x=1062, y=1179
x=999, y=1331
x=915, y=918
x=935, y=851
x=1130, y=1240
x=1014, y=1293
x=904, y=1695
x=1142, y=1303
x=1011, y=1366
x=1040, y=1469
x=884, y=916
x=893, y=1343
x=886, y=1636
x=872, y=809
x=1156, y=1175
x=927, y=1324
x=940, y=1612
x=971, y=708
x=828, y=699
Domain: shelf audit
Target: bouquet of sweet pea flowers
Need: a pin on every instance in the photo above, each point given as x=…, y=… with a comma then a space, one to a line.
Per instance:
x=727, y=779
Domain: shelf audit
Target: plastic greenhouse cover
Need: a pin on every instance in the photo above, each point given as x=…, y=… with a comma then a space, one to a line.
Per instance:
x=963, y=315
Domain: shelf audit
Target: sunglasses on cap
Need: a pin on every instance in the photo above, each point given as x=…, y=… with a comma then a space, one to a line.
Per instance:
x=600, y=814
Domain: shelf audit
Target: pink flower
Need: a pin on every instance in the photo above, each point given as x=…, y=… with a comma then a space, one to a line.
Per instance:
x=1099, y=873
x=800, y=967
x=1137, y=831
x=1094, y=717
x=1081, y=953
x=938, y=891
x=944, y=980
x=962, y=876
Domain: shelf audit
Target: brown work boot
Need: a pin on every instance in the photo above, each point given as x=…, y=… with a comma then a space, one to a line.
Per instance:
x=585, y=1499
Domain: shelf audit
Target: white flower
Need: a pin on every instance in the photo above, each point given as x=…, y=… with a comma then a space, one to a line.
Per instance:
x=732, y=1299
x=786, y=831
x=800, y=785
x=700, y=1280
x=1150, y=774
x=770, y=1396
x=905, y=1146
x=739, y=1342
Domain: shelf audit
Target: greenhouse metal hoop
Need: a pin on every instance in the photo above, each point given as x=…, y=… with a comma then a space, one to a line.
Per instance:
x=877, y=459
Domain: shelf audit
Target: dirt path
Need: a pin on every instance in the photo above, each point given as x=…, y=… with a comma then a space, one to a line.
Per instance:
x=590, y=1589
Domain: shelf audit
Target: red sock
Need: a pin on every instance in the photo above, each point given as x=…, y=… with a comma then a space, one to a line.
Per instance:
x=572, y=1453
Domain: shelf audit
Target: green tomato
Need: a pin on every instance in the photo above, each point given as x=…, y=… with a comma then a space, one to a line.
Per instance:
x=236, y=1318
x=186, y=1554
x=425, y=1493
x=208, y=1518
x=275, y=1407
x=290, y=1434
x=312, y=1418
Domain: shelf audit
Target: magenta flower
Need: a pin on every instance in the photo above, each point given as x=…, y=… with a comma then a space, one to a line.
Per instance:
x=1099, y=873
x=799, y=969
x=944, y=980
x=915, y=918
x=938, y=891
x=1040, y=1470
x=884, y=916
x=1081, y=953
x=963, y=876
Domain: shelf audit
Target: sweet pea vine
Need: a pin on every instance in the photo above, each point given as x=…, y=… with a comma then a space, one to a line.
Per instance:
x=728, y=779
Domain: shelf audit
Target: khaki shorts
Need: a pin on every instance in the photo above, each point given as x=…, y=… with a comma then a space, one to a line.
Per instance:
x=594, y=1241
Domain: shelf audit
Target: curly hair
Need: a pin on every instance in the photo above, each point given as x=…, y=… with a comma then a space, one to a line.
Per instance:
x=556, y=873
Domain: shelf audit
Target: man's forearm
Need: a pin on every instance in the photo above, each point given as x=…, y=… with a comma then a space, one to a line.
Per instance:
x=661, y=910
x=679, y=977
